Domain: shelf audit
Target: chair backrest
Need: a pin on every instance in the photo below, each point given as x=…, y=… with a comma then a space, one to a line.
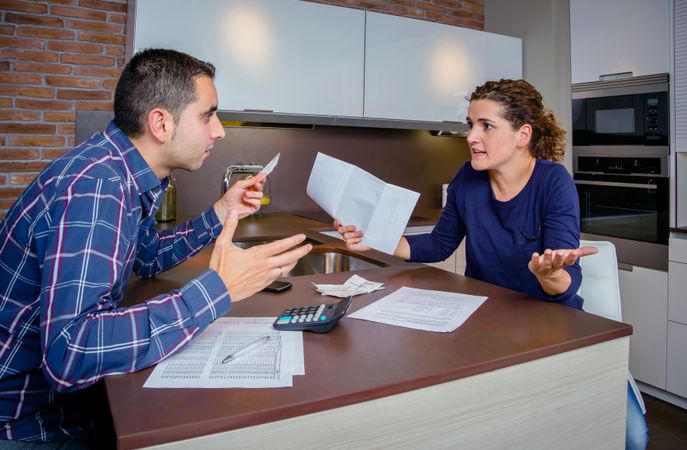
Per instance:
x=600, y=288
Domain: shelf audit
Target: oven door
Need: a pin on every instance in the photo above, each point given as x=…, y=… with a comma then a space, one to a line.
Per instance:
x=627, y=207
x=617, y=120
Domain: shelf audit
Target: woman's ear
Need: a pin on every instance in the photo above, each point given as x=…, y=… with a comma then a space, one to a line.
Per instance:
x=524, y=135
x=160, y=125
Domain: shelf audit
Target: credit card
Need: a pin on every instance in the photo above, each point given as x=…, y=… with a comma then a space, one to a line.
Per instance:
x=271, y=165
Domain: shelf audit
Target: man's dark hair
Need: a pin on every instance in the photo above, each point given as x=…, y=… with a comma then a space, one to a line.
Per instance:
x=156, y=78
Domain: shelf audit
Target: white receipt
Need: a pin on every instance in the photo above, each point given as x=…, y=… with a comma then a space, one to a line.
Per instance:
x=421, y=309
x=355, y=197
x=353, y=286
x=271, y=165
x=199, y=364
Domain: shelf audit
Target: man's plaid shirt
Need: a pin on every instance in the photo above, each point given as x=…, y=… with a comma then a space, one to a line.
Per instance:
x=67, y=248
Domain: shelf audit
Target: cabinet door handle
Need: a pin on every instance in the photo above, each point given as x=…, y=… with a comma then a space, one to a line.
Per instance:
x=614, y=184
x=614, y=76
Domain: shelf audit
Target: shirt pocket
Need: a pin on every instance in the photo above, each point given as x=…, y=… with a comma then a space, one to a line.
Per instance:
x=529, y=241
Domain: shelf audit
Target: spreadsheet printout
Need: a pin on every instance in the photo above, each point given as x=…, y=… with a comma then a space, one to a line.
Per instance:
x=200, y=365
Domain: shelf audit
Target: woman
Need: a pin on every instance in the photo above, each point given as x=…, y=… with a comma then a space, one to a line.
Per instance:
x=515, y=206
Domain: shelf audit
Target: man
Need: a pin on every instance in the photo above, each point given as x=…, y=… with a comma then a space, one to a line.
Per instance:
x=69, y=243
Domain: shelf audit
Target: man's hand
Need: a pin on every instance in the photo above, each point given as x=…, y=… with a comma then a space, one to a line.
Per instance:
x=244, y=197
x=245, y=272
x=548, y=267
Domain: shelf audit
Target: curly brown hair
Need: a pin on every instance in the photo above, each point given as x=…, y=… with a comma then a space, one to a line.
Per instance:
x=521, y=104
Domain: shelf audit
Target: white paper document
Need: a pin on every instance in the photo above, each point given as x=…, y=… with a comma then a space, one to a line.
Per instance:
x=199, y=364
x=355, y=197
x=421, y=309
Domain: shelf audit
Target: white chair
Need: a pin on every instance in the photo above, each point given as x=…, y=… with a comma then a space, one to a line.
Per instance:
x=601, y=291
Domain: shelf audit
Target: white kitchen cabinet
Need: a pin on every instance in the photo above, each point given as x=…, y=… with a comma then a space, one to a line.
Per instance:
x=644, y=299
x=679, y=85
x=277, y=55
x=449, y=264
x=677, y=359
x=454, y=263
x=680, y=181
x=612, y=36
x=677, y=278
x=460, y=258
x=422, y=70
x=677, y=292
x=296, y=57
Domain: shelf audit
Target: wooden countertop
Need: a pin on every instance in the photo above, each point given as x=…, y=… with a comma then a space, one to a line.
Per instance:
x=357, y=360
x=682, y=230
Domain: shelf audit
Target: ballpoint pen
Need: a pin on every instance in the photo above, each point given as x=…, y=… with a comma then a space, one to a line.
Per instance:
x=248, y=348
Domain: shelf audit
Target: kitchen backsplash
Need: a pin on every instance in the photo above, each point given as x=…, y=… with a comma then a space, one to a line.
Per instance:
x=412, y=159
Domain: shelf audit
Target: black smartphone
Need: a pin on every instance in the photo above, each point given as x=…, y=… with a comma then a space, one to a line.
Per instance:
x=278, y=286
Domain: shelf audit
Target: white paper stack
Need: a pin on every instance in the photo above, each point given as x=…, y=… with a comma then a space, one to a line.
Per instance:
x=422, y=309
x=353, y=286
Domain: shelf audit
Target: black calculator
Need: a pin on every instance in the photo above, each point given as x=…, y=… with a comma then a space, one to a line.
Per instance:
x=319, y=318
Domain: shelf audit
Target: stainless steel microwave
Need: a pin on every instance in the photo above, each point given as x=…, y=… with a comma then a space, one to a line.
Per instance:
x=627, y=112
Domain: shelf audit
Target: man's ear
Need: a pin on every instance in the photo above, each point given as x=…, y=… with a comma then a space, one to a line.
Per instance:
x=524, y=135
x=160, y=124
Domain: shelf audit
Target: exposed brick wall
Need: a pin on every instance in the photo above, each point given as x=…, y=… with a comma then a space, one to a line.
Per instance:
x=462, y=13
x=56, y=57
x=60, y=56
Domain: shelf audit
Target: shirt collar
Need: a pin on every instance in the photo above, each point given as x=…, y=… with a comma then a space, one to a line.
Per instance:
x=142, y=174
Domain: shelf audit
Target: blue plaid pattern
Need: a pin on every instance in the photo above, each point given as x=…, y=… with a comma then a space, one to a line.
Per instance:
x=67, y=247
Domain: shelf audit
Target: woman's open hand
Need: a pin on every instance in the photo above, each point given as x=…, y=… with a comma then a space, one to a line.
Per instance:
x=548, y=266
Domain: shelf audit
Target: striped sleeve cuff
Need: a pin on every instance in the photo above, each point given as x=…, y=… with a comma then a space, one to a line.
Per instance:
x=207, y=225
x=207, y=298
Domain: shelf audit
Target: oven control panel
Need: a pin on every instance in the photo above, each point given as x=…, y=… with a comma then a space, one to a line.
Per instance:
x=617, y=165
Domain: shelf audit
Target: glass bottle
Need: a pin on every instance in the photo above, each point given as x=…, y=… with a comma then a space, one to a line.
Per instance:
x=266, y=196
x=168, y=208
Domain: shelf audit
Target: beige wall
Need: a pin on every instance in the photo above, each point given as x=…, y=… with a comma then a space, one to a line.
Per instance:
x=544, y=26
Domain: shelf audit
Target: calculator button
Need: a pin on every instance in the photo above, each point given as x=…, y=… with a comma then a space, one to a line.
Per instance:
x=308, y=318
x=294, y=319
x=284, y=319
x=301, y=319
x=323, y=318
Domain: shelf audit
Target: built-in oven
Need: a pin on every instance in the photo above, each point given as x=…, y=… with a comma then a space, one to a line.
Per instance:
x=626, y=200
x=621, y=166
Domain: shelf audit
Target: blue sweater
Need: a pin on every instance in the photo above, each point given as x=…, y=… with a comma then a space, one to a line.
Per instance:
x=501, y=236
